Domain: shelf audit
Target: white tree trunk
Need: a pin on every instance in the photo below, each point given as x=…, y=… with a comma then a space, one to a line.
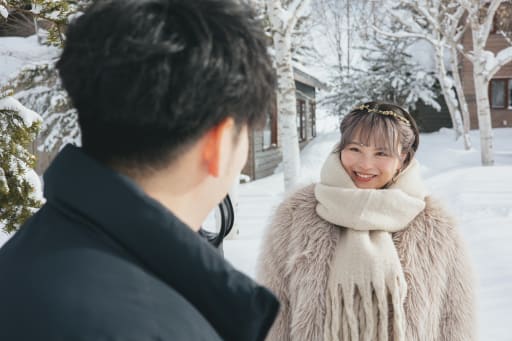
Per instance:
x=484, y=113
x=287, y=109
x=282, y=25
x=481, y=80
x=484, y=68
x=463, y=104
x=447, y=90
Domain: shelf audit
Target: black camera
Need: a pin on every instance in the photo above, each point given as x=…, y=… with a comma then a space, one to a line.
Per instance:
x=219, y=223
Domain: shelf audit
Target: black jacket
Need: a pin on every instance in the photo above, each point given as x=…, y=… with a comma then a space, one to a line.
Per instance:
x=103, y=261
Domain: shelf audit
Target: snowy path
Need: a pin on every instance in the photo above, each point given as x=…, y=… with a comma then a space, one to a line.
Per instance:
x=483, y=207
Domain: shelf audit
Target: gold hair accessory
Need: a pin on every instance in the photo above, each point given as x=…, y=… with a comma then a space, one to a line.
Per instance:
x=384, y=112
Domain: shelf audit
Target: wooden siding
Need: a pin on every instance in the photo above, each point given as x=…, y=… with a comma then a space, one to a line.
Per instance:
x=262, y=162
x=249, y=165
x=266, y=162
x=500, y=117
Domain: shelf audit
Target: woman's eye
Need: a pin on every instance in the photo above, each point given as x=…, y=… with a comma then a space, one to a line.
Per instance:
x=353, y=149
x=382, y=154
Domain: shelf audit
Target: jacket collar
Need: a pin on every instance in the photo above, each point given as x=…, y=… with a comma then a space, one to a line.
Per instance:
x=234, y=304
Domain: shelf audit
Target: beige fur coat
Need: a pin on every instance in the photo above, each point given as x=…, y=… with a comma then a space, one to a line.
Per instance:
x=297, y=251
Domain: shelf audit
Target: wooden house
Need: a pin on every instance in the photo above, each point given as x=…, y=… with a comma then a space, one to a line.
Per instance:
x=500, y=87
x=264, y=149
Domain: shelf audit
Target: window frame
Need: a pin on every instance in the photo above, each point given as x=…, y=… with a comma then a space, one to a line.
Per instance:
x=508, y=94
x=273, y=131
x=301, y=113
x=312, y=117
x=506, y=81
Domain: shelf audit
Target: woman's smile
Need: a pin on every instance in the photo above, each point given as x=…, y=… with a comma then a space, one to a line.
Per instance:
x=362, y=177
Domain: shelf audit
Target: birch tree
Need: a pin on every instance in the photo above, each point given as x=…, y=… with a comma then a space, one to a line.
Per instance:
x=480, y=16
x=439, y=23
x=283, y=16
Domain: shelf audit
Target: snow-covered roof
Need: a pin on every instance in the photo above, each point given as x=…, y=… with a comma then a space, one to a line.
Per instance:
x=303, y=76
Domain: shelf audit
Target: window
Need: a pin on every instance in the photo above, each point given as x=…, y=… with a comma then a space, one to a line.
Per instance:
x=270, y=130
x=500, y=93
x=301, y=120
x=312, y=118
x=510, y=93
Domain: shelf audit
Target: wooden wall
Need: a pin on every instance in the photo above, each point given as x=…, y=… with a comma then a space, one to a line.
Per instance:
x=500, y=117
x=262, y=162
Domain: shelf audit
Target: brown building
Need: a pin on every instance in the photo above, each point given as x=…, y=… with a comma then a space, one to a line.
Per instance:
x=500, y=87
x=264, y=149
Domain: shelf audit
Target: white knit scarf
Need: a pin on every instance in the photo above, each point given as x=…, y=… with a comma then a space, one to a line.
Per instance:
x=366, y=277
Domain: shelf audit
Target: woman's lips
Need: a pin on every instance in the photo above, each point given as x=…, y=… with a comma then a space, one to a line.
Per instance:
x=363, y=177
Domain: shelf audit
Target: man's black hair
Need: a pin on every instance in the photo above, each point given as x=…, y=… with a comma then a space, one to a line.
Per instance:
x=149, y=77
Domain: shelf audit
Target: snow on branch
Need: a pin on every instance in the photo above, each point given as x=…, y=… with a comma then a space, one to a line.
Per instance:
x=3, y=10
x=407, y=35
x=276, y=14
x=495, y=63
x=425, y=14
x=406, y=19
x=28, y=116
x=505, y=36
x=295, y=11
x=458, y=31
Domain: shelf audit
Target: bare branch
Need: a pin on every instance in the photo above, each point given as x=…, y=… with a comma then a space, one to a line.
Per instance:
x=426, y=15
x=506, y=37
x=296, y=10
x=503, y=57
x=489, y=19
x=405, y=35
x=460, y=30
x=275, y=14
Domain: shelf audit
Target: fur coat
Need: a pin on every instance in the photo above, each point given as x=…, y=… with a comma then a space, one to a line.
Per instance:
x=296, y=255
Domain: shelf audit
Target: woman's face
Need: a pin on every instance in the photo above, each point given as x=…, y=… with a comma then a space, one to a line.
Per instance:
x=369, y=167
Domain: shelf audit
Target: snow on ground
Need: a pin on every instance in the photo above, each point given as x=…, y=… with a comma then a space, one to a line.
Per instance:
x=479, y=197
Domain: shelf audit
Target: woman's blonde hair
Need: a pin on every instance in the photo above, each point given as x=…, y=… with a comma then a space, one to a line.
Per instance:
x=381, y=124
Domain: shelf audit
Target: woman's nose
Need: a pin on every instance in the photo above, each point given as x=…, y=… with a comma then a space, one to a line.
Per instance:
x=365, y=162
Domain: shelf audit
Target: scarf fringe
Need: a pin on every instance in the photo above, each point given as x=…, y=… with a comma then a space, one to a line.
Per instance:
x=357, y=315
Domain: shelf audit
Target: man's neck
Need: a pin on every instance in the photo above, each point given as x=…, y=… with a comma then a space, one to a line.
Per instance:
x=178, y=193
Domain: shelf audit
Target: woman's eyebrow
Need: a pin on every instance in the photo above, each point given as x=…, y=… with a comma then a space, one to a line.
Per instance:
x=357, y=143
x=378, y=149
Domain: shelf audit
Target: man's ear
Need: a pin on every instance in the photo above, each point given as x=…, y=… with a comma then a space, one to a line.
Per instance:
x=215, y=144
